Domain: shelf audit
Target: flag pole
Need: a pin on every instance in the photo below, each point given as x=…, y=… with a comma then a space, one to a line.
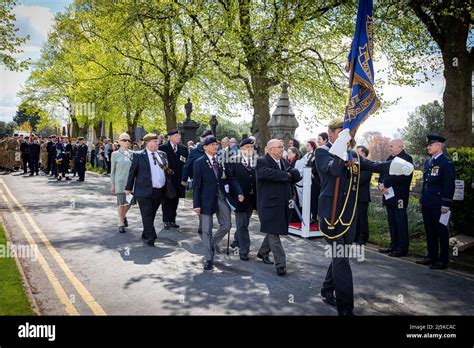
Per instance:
x=338, y=179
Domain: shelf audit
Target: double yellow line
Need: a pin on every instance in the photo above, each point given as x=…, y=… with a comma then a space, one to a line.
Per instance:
x=56, y=284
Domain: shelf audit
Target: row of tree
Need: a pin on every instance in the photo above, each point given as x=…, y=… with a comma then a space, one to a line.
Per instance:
x=134, y=62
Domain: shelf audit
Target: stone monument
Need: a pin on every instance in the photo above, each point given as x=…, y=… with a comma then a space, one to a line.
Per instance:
x=188, y=127
x=283, y=123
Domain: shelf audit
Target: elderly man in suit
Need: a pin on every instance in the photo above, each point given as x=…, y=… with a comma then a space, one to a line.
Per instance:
x=177, y=155
x=398, y=204
x=147, y=180
x=241, y=168
x=274, y=179
x=209, y=198
x=331, y=163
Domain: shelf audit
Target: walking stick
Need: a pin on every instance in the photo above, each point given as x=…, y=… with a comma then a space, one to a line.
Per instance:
x=228, y=243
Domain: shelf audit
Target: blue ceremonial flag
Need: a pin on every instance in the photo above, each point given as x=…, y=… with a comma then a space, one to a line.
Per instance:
x=361, y=100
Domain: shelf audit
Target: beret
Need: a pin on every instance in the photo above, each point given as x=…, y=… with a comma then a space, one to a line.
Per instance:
x=206, y=133
x=335, y=123
x=172, y=132
x=209, y=140
x=246, y=142
x=150, y=136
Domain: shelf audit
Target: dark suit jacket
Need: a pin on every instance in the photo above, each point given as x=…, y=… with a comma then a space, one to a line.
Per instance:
x=34, y=150
x=273, y=194
x=139, y=177
x=329, y=168
x=438, y=182
x=188, y=168
x=206, y=185
x=364, y=186
x=176, y=163
x=400, y=183
x=246, y=183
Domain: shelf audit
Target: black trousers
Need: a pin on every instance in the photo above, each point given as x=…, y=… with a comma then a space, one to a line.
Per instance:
x=339, y=275
x=26, y=160
x=362, y=227
x=169, y=208
x=80, y=167
x=49, y=167
x=148, y=207
x=34, y=165
x=315, y=191
x=437, y=235
x=398, y=227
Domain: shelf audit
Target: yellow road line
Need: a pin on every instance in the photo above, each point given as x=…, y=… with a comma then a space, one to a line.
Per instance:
x=58, y=289
x=80, y=288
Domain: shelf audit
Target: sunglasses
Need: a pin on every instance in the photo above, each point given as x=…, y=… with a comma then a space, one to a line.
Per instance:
x=126, y=140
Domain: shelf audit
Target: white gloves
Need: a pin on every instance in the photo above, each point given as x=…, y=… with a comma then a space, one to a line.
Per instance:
x=339, y=148
x=399, y=166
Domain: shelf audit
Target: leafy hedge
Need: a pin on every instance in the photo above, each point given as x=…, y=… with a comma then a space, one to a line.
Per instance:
x=462, y=215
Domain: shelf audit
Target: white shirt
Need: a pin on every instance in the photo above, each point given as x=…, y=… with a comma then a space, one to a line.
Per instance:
x=157, y=174
x=435, y=157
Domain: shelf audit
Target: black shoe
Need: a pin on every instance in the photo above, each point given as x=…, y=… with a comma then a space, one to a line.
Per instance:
x=68, y=178
x=397, y=254
x=244, y=257
x=199, y=232
x=167, y=226
x=328, y=298
x=59, y=178
x=125, y=222
x=234, y=244
x=265, y=259
x=122, y=229
x=439, y=265
x=385, y=250
x=208, y=266
x=425, y=261
x=80, y=180
x=31, y=174
x=281, y=271
x=151, y=242
x=345, y=313
x=173, y=225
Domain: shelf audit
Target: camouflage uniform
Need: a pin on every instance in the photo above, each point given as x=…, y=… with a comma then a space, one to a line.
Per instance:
x=43, y=156
x=13, y=154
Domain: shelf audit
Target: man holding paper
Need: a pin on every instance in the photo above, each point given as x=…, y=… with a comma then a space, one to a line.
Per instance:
x=436, y=197
x=396, y=192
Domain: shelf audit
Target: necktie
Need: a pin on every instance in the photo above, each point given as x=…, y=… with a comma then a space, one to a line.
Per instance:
x=155, y=160
x=215, y=166
x=174, y=148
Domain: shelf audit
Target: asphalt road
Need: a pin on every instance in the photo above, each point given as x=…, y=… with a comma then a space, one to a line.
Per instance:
x=87, y=267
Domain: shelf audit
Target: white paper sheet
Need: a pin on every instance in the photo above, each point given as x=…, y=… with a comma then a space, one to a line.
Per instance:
x=129, y=198
x=390, y=193
x=444, y=218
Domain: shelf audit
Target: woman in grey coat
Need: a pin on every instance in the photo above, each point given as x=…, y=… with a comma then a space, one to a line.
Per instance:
x=120, y=166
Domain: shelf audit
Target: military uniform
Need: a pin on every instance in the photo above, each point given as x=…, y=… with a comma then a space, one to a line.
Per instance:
x=437, y=192
x=25, y=154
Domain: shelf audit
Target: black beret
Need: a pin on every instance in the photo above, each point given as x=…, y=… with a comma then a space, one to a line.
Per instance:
x=209, y=140
x=173, y=132
x=206, y=133
x=80, y=138
x=246, y=142
x=435, y=139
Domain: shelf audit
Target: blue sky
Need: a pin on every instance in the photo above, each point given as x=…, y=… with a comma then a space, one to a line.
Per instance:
x=35, y=18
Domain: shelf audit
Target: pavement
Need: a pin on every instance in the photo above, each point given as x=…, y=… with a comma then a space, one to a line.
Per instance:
x=83, y=266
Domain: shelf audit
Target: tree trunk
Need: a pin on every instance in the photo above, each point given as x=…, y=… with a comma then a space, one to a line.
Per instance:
x=74, y=127
x=98, y=129
x=261, y=104
x=457, y=96
x=132, y=123
x=169, y=103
